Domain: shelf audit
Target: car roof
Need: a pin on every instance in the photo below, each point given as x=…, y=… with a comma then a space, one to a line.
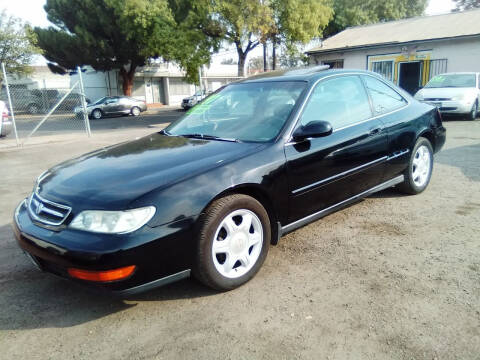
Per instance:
x=302, y=74
x=460, y=73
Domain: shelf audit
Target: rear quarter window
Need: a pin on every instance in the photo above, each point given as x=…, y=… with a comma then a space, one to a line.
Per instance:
x=384, y=98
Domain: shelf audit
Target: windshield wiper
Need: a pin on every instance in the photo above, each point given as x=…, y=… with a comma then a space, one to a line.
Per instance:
x=208, y=137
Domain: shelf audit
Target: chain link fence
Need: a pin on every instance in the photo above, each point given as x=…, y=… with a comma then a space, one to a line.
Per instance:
x=45, y=111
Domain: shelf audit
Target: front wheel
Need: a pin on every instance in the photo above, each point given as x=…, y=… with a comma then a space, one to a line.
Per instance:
x=420, y=166
x=233, y=242
x=473, y=113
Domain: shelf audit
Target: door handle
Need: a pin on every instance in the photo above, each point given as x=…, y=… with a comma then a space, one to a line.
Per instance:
x=375, y=131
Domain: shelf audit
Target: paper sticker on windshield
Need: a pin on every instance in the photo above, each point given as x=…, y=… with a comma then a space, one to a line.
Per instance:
x=437, y=79
x=203, y=106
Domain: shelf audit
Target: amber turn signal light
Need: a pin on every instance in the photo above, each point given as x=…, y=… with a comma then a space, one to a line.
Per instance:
x=102, y=276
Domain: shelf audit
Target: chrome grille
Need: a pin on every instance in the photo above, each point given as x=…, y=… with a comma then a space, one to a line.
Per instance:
x=46, y=211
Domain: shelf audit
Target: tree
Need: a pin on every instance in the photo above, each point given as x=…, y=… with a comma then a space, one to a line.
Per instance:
x=244, y=23
x=352, y=12
x=461, y=5
x=297, y=21
x=123, y=35
x=16, y=49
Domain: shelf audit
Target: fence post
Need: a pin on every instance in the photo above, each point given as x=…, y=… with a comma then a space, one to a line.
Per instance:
x=84, y=103
x=10, y=103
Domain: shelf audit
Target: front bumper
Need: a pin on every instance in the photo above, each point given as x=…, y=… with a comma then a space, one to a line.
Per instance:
x=162, y=254
x=451, y=107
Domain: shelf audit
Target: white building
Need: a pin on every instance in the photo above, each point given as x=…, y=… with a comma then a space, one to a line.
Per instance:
x=162, y=83
x=408, y=52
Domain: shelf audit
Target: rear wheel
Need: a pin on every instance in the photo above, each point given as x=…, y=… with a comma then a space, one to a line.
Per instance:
x=473, y=113
x=33, y=109
x=420, y=166
x=233, y=242
x=135, y=111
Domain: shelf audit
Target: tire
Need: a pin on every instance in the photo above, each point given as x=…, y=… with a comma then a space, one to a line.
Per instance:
x=473, y=113
x=135, y=111
x=33, y=109
x=239, y=253
x=419, y=170
x=97, y=114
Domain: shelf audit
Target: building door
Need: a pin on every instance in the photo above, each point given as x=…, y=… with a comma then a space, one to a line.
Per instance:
x=409, y=77
x=156, y=91
x=148, y=91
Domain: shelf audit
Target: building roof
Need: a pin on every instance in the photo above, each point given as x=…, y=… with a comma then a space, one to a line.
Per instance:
x=457, y=24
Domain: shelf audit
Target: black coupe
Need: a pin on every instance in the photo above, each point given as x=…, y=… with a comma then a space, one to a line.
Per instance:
x=211, y=192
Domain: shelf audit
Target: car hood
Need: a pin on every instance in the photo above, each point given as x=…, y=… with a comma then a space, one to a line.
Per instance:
x=445, y=92
x=113, y=177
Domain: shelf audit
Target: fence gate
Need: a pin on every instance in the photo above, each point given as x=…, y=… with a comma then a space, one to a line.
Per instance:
x=39, y=110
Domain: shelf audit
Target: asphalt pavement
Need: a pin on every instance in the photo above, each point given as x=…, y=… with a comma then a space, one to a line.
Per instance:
x=68, y=123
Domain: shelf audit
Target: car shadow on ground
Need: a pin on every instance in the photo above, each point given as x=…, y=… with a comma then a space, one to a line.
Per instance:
x=387, y=193
x=31, y=299
x=463, y=157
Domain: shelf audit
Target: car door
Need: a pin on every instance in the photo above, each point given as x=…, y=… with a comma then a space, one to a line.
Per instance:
x=399, y=122
x=112, y=105
x=325, y=171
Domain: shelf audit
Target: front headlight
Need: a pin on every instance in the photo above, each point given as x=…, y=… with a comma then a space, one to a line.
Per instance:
x=113, y=222
x=458, y=97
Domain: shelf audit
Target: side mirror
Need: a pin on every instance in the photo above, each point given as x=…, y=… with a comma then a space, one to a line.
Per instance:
x=314, y=129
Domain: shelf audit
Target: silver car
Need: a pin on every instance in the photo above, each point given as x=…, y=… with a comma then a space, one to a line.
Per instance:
x=453, y=93
x=5, y=121
x=113, y=105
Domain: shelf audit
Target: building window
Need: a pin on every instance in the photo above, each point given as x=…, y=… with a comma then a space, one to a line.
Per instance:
x=179, y=87
x=438, y=66
x=334, y=64
x=384, y=68
x=138, y=87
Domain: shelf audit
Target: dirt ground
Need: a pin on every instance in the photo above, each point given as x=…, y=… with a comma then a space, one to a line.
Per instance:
x=391, y=277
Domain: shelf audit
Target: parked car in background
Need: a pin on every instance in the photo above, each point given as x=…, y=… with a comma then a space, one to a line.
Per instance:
x=26, y=101
x=210, y=193
x=453, y=93
x=5, y=121
x=113, y=105
x=193, y=100
x=72, y=100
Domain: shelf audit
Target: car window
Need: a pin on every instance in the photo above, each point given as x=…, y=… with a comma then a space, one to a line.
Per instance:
x=384, y=98
x=112, y=100
x=341, y=101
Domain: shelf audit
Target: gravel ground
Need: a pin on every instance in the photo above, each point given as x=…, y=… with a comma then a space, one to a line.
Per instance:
x=391, y=277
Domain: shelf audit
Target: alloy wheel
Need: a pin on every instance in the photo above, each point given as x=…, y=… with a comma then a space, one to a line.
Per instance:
x=237, y=243
x=135, y=111
x=421, y=166
x=97, y=114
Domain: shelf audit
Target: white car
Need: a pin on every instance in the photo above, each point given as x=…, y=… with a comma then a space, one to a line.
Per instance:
x=453, y=93
x=5, y=122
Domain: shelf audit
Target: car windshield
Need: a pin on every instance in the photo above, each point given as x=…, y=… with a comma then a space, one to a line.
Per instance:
x=244, y=112
x=452, y=80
